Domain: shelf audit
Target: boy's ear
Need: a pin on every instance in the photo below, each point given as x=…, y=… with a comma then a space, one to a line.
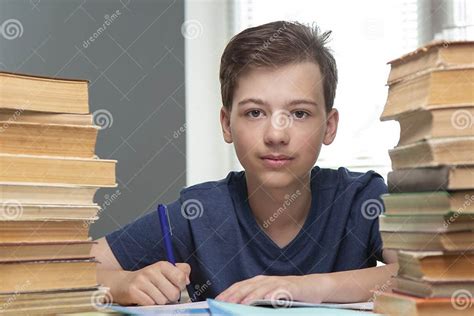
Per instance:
x=331, y=127
x=225, y=124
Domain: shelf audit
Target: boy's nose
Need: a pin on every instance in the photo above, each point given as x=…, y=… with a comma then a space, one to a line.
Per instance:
x=277, y=129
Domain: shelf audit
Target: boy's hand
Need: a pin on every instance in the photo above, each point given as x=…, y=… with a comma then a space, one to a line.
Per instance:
x=263, y=287
x=159, y=283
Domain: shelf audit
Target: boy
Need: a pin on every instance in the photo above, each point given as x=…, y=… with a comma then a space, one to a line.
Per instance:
x=280, y=229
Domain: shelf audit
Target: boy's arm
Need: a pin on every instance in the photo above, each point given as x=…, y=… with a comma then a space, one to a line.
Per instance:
x=354, y=285
x=102, y=252
x=158, y=283
x=339, y=287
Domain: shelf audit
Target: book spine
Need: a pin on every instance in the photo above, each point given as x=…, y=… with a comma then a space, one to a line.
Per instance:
x=418, y=180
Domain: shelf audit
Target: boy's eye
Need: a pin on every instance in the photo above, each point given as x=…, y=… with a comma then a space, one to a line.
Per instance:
x=300, y=114
x=254, y=113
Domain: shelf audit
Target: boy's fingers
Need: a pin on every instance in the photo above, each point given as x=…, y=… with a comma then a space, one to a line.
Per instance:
x=174, y=275
x=169, y=290
x=236, y=294
x=186, y=268
x=228, y=292
x=152, y=291
x=144, y=299
x=258, y=293
x=141, y=298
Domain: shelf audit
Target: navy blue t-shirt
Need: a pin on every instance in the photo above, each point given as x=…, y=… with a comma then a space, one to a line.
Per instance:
x=215, y=232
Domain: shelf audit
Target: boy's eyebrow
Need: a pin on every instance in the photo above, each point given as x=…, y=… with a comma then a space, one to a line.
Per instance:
x=302, y=101
x=261, y=102
x=252, y=100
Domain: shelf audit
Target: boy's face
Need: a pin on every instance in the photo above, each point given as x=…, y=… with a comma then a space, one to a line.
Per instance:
x=278, y=123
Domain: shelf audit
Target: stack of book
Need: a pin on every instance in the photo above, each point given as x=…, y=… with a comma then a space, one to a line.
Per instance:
x=429, y=210
x=48, y=177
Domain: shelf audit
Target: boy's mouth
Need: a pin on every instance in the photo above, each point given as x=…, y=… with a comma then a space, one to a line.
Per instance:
x=276, y=160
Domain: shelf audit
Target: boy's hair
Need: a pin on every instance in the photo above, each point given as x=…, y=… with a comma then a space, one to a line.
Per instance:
x=277, y=44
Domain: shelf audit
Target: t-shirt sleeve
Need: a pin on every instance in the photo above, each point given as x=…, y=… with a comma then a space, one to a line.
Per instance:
x=140, y=243
x=376, y=245
x=371, y=209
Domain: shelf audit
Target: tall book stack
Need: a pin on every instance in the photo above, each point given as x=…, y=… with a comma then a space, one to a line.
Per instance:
x=429, y=210
x=48, y=177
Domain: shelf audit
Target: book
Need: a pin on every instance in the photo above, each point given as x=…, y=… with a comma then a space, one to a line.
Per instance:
x=224, y=308
x=48, y=139
x=429, y=211
x=437, y=123
x=433, y=56
x=51, y=301
x=46, y=193
x=49, y=174
x=264, y=306
x=29, y=251
x=442, y=178
x=78, y=171
x=43, y=94
x=8, y=116
x=434, y=152
x=436, y=265
x=44, y=231
x=399, y=304
x=43, y=212
x=422, y=288
x=427, y=223
x=426, y=241
x=439, y=89
x=429, y=203
x=48, y=274
x=368, y=306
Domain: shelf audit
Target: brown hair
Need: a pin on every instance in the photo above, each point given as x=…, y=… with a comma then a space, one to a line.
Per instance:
x=277, y=44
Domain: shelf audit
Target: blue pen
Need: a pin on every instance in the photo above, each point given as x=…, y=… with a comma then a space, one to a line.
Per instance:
x=167, y=233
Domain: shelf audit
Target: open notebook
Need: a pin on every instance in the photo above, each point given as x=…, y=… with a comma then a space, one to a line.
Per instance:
x=258, y=307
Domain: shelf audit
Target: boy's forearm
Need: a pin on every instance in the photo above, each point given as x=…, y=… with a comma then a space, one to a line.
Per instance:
x=347, y=286
x=107, y=277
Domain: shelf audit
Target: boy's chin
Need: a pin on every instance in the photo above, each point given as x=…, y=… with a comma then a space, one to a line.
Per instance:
x=277, y=179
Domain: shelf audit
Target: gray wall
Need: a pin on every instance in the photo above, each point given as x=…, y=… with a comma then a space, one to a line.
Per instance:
x=136, y=72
